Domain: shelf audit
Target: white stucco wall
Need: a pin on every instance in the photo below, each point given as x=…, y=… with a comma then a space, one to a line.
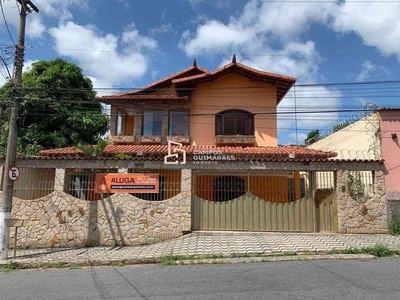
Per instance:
x=359, y=140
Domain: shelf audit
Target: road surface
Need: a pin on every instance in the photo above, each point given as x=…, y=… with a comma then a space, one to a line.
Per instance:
x=354, y=279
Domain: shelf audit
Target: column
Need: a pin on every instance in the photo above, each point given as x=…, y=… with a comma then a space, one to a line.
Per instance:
x=186, y=190
x=138, y=124
x=59, y=180
x=113, y=121
x=165, y=125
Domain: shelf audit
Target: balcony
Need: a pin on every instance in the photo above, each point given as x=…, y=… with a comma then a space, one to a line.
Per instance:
x=240, y=140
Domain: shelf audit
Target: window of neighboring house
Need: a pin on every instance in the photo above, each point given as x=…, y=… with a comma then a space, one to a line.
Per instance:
x=234, y=122
x=178, y=123
x=119, y=125
x=152, y=123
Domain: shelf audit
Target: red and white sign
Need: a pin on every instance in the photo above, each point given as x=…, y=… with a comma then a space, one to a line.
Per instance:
x=13, y=173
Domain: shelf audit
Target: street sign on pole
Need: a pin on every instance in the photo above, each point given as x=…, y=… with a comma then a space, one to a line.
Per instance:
x=13, y=173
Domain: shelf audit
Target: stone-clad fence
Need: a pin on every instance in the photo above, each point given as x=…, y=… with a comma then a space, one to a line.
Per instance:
x=57, y=200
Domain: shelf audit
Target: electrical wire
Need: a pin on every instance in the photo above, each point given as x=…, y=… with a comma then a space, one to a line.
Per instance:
x=5, y=22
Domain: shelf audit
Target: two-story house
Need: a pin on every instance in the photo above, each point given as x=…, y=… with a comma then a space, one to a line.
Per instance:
x=234, y=105
x=220, y=129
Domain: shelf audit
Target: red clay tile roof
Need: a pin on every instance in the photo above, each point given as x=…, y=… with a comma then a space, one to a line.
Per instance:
x=166, y=81
x=157, y=152
x=138, y=98
x=282, y=83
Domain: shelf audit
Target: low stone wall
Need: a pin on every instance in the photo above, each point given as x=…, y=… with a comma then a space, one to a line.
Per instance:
x=60, y=220
x=356, y=217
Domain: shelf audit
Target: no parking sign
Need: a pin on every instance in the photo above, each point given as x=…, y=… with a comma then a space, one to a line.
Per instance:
x=13, y=173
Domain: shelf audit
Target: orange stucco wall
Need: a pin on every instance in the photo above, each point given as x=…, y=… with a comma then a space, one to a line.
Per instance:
x=227, y=92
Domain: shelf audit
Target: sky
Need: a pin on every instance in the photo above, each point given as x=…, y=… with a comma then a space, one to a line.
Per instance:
x=131, y=43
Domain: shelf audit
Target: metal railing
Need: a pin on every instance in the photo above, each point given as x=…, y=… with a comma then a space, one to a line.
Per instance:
x=80, y=183
x=361, y=185
x=169, y=180
x=34, y=183
x=279, y=187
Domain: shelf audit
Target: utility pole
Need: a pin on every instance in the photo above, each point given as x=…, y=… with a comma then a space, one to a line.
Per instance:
x=8, y=185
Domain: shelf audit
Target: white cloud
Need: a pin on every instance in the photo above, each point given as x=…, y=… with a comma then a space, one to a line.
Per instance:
x=368, y=68
x=28, y=64
x=164, y=28
x=376, y=23
x=109, y=58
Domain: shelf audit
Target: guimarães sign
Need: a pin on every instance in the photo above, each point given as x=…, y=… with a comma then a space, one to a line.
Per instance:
x=127, y=183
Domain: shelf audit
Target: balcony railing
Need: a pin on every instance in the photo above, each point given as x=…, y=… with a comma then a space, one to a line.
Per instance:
x=235, y=139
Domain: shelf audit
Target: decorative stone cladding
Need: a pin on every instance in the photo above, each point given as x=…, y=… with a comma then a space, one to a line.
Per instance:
x=179, y=139
x=149, y=139
x=123, y=139
x=235, y=140
x=60, y=220
x=356, y=217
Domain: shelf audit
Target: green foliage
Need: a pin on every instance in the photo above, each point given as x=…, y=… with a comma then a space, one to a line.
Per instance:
x=394, y=226
x=356, y=187
x=312, y=136
x=340, y=126
x=13, y=265
x=376, y=250
x=58, y=107
x=91, y=151
x=122, y=156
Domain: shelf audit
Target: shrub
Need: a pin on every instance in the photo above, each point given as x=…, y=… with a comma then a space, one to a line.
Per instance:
x=394, y=226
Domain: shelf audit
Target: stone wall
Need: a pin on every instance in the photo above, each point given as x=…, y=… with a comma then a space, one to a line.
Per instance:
x=356, y=217
x=60, y=220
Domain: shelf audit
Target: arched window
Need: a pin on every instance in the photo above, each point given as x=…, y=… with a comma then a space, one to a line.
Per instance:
x=228, y=188
x=234, y=122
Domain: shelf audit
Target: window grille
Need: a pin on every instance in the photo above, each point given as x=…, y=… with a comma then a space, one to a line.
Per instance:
x=234, y=122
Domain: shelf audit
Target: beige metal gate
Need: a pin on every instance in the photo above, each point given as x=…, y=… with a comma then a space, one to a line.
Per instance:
x=249, y=212
x=326, y=211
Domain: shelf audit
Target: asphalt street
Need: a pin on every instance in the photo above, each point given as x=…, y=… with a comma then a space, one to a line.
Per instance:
x=354, y=279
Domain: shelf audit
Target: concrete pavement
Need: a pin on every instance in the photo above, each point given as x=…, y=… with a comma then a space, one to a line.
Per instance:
x=203, y=243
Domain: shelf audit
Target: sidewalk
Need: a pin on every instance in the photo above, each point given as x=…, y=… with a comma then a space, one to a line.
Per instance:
x=203, y=243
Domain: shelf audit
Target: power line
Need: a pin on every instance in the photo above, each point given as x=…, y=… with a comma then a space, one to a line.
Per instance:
x=222, y=54
x=5, y=22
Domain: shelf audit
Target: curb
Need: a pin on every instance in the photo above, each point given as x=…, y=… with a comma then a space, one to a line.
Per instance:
x=199, y=261
x=273, y=259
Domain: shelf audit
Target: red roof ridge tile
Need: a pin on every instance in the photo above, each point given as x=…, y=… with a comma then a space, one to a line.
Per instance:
x=162, y=80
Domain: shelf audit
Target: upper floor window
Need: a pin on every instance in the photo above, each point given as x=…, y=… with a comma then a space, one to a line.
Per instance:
x=178, y=123
x=234, y=122
x=152, y=122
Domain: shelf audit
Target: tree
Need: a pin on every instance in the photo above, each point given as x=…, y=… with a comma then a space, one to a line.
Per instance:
x=312, y=136
x=58, y=109
x=340, y=126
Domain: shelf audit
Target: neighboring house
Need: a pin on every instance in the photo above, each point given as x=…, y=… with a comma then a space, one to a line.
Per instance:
x=359, y=140
x=374, y=137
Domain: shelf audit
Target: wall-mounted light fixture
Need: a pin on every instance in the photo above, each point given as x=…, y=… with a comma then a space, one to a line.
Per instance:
x=394, y=135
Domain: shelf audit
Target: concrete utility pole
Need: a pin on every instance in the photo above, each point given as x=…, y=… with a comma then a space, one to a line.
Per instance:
x=8, y=185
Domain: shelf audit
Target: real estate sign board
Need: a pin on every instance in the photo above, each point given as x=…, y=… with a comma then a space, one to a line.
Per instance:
x=127, y=183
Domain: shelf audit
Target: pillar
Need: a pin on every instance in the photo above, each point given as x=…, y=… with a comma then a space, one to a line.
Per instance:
x=59, y=180
x=113, y=121
x=138, y=124
x=165, y=125
x=186, y=190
